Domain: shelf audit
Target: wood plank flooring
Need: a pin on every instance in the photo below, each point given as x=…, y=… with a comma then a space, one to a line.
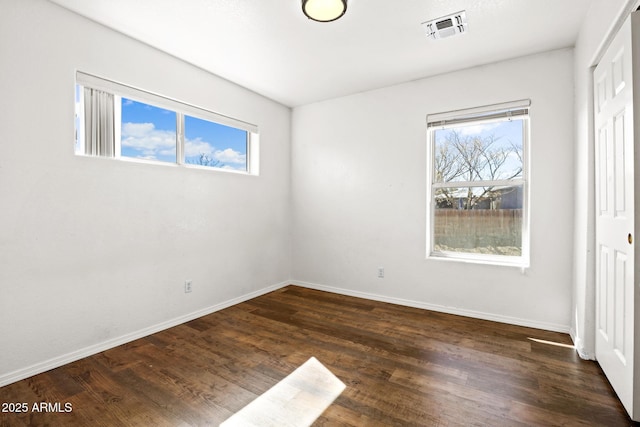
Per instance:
x=402, y=367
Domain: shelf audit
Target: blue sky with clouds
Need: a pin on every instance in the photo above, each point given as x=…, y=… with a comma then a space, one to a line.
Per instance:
x=149, y=132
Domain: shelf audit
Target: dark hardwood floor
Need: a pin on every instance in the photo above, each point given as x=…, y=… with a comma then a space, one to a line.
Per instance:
x=402, y=366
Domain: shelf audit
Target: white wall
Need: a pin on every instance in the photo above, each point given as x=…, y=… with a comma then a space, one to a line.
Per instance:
x=359, y=182
x=599, y=23
x=93, y=251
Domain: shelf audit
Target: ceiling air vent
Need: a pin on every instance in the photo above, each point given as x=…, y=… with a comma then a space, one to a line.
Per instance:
x=446, y=26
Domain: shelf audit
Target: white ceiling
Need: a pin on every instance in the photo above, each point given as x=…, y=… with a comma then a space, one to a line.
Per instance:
x=268, y=46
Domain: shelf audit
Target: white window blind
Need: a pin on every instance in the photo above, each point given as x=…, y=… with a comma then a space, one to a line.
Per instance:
x=109, y=86
x=478, y=114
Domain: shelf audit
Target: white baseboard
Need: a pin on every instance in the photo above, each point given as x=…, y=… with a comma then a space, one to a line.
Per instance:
x=440, y=308
x=55, y=362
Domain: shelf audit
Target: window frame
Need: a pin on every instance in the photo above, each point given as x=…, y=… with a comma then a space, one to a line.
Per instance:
x=181, y=109
x=472, y=116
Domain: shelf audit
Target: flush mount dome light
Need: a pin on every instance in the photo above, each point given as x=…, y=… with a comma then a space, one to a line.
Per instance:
x=324, y=10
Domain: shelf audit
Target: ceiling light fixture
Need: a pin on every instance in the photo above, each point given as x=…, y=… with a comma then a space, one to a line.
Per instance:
x=324, y=10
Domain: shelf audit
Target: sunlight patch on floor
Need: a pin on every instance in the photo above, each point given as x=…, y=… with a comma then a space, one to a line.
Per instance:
x=296, y=401
x=557, y=344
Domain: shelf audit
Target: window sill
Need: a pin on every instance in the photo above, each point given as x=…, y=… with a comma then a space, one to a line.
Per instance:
x=500, y=261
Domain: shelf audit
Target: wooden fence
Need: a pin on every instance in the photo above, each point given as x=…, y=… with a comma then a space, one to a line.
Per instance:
x=472, y=229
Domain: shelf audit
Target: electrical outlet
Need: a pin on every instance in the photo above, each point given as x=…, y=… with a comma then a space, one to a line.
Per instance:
x=187, y=286
x=380, y=272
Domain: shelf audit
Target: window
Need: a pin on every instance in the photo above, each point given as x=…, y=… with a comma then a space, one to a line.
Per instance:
x=117, y=121
x=478, y=184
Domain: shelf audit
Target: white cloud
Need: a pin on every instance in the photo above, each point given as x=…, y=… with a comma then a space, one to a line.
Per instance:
x=229, y=158
x=195, y=147
x=137, y=129
x=229, y=155
x=477, y=129
x=147, y=140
